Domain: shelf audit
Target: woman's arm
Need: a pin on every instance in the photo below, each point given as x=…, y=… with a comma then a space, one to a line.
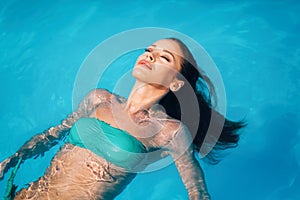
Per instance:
x=41, y=143
x=181, y=149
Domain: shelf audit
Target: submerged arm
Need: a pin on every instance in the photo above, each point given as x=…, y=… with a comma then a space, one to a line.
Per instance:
x=41, y=143
x=192, y=176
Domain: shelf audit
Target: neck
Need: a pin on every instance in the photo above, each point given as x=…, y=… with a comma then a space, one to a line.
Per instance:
x=144, y=96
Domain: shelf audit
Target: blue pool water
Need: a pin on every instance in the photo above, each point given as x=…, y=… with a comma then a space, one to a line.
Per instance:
x=255, y=45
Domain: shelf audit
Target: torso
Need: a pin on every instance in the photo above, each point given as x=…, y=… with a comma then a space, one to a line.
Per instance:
x=92, y=177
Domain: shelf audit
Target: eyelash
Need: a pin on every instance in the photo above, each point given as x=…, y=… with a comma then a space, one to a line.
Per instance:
x=164, y=57
x=167, y=59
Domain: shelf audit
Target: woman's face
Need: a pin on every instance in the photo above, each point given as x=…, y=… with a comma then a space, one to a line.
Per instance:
x=159, y=64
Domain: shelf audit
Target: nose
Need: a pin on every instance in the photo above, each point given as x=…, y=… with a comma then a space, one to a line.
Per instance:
x=150, y=57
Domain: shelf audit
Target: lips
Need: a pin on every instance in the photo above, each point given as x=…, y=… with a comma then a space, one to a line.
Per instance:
x=145, y=63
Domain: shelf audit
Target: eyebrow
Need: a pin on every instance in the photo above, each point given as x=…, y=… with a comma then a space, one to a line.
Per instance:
x=165, y=50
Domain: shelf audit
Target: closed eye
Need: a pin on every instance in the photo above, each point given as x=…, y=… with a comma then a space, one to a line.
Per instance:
x=148, y=50
x=166, y=58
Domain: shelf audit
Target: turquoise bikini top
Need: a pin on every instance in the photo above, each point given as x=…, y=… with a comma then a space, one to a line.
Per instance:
x=115, y=145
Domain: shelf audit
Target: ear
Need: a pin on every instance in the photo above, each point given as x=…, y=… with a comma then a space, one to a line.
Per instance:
x=176, y=85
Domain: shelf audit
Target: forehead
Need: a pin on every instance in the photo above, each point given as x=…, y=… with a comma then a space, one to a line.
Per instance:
x=169, y=45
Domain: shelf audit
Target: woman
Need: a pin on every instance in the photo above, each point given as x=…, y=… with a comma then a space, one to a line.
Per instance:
x=109, y=136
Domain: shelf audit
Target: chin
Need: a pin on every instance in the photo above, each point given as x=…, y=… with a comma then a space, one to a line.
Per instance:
x=138, y=73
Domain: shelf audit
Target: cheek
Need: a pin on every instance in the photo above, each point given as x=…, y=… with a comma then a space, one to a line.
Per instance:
x=165, y=75
x=168, y=70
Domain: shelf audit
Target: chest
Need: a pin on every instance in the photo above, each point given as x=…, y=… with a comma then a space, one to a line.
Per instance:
x=151, y=131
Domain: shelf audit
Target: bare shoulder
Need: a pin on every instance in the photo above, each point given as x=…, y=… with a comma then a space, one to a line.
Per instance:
x=170, y=127
x=173, y=125
x=99, y=92
x=178, y=136
x=169, y=124
x=93, y=100
x=98, y=95
x=104, y=95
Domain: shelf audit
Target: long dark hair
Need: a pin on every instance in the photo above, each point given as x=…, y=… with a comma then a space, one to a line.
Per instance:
x=205, y=94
